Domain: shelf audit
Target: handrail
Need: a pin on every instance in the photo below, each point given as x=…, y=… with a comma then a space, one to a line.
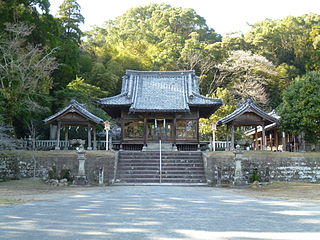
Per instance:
x=160, y=161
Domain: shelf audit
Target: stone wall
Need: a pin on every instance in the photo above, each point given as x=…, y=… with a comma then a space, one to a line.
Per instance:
x=304, y=167
x=21, y=164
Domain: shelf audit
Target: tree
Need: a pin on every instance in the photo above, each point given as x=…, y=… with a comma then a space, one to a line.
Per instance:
x=300, y=109
x=71, y=18
x=84, y=93
x=286, y=40
x=25, y=74
x=229, y=105
x=246, y=75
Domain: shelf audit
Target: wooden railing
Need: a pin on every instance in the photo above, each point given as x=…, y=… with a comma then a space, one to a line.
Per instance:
x=101, y=145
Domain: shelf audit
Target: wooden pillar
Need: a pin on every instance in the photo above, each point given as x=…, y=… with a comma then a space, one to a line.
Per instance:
x=271, y=142
x=303, y=142
x=89, y=137
x=94, y=138
x=122, y=134
x=174, y=131
x=66, y=135
x=58, y=136
x=256, y=136
x=284, y=143
x=198, y=134
x=214, y=129
x=263, y=138
x=145, y=130
x=232, y=137
x=227, y=138
x=276, y=139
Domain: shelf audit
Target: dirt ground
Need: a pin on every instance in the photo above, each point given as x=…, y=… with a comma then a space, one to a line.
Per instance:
x=27, y=190
x=292, y=191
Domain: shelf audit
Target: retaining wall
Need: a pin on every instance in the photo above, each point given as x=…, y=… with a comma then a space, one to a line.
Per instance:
x=25, y=164
x=304, y=167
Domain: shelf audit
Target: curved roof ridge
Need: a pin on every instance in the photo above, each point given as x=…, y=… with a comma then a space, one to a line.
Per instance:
x=204, y=97
x=245, y=107
x=80, y=107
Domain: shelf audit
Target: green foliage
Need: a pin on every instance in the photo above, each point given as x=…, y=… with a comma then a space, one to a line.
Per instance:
x=286, y=40
x=152, y=37
x=52, y=173
x=84, y=93
x=300, y=109
x=70, y=17
x=229, y=105
x=66, y=173
x=247, y=75
x=255, y=176
x=25, y=75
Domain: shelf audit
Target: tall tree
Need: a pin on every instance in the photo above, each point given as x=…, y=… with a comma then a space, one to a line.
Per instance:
x=300, y=109
x=247, y=75
x=25, y=74
x=71, y=18
x=68, y=53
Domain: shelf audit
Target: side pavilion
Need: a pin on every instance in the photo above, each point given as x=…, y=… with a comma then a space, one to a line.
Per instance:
x=75, y=114
x=248, y=114
x=159, y=105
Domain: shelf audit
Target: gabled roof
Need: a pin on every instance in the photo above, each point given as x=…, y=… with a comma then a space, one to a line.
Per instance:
x=248, y=107
x=74, y=107
x=160, y=91
x=274, y=114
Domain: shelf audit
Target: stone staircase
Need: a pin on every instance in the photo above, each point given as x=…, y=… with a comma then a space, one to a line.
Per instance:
x=144, y=168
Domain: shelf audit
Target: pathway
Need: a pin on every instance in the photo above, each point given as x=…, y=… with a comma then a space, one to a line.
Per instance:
x=160, y=212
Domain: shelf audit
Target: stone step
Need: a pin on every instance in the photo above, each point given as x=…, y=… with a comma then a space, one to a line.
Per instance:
x=176, y=161
x=181, y=164
x=165, y=172
x=164, y=168
x=162, y=153
x=177, y=167
x=147, y=180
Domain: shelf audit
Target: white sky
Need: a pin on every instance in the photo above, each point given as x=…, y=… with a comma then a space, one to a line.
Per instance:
x=224, y=16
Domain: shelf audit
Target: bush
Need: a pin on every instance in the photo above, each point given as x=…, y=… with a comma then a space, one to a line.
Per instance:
x=52, y=174
x=255, y=176
x=66, y=173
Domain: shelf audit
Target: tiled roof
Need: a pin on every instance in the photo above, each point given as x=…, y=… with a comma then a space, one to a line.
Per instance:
x=247, y=106
x=160, y=91
x=74, y=106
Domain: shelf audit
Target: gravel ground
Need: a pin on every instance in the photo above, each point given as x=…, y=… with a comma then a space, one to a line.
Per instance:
x=159, y=212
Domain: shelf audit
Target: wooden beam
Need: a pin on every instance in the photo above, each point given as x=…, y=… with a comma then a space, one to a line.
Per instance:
x=174, y=130
x=256, y=136
x=89, y=138
x=264, y=146
x=94, y=138
x=276, y=139
x=66, y=135
x=145, y=130
x=58, y=136
x=284, y=143
x=227, y=138
x=232, y=137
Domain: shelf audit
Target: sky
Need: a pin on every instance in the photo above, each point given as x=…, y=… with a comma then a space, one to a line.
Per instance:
x=224, y=16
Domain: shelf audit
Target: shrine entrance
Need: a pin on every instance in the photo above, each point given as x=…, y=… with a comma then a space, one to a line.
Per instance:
x=160, y=129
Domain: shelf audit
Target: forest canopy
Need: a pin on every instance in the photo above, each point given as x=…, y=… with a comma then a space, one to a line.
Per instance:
x=264, y=64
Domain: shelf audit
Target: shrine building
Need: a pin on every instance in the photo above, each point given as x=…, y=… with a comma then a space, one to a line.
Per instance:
x=159, y=105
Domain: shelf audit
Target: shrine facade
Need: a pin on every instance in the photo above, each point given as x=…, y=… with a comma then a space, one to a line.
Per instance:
x=159, y=105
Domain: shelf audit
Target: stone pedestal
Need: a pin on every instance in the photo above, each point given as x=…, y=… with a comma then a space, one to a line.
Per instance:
x=81, y=178
x=238, y=177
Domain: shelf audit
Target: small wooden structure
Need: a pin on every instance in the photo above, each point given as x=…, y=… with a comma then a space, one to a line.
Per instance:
x=75, y=114
x=159, y=105
x=248, y=114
